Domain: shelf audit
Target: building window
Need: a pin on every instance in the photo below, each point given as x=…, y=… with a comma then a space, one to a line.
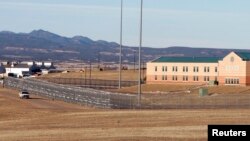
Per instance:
x=196, y=78
x=175, y=69
x=206, y=78
x=232, y=59
x=155, y=68
x=155, y=77
x=164, y=68
x=206, y=69
x=232, y=81
x=196, y=69
x=164, y=77
x=216, y=69
x=185, y=69
x=174, y=78
x=185, y=78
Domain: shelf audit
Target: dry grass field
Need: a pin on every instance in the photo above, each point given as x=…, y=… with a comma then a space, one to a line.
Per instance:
x=41, y=119
x=149, y=88
x=95, y=74
x=172, y=88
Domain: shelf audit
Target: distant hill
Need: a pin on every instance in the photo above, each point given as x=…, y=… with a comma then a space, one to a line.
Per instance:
x=44, y=45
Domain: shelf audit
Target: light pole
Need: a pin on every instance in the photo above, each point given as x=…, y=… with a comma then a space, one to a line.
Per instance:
x=139, y=80
x=120, y=57
x=85, y=76
x=134, y=60
x=143, y=71
x=90, y=69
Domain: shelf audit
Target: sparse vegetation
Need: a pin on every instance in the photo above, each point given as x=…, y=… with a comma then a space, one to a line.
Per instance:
x=96, y=74
x=42, y=119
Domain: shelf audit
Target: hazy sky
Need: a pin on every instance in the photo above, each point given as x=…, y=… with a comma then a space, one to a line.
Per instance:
x=196, y=23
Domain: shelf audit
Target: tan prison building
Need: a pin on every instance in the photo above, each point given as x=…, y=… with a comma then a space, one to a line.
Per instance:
x=233, y=69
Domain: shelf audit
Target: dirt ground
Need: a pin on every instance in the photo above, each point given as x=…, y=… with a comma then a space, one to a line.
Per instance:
x=42, y=119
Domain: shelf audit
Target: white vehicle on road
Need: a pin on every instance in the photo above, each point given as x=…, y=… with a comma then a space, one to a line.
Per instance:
x=24, y=95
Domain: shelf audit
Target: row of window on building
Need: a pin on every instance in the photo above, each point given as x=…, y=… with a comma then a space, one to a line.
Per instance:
x=232, y=81
x=185, y=69
x=184, y=78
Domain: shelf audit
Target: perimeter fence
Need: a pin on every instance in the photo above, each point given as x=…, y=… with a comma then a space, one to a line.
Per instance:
x=105, y=99
x=71, y=94
x=90, y=83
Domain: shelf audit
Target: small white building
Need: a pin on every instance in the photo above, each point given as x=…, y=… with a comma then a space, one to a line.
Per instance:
x=39, y=64
x=26, y=68
x=17, y=69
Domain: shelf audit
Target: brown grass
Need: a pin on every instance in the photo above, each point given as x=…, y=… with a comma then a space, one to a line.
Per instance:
x=129, y=75
x=194, y=89
x=156, y=88
x=42, y=119
x=149, y=88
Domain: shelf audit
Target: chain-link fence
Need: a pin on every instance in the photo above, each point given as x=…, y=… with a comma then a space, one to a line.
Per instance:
x=84, y=96
x=90, y=83
x=193, y=101
x=104, y=99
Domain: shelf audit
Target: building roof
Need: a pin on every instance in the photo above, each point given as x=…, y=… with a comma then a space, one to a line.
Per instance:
x=244, y=55
x=188, y=59
x=17, y=66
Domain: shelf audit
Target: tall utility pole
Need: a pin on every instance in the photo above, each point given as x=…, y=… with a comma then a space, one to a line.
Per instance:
x=120, y=58
x=99, y=59
x=85, y=76
x=90, y=69
x=143, y=71
x=139, y=81
x=134, y=60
